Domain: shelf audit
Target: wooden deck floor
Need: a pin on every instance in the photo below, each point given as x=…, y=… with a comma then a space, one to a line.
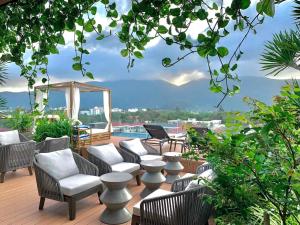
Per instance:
x=19, y=202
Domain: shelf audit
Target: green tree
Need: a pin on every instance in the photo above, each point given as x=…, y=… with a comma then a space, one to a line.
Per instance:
x=259, y=167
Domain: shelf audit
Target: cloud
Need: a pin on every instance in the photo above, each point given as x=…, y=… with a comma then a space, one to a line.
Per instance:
x=185, y=77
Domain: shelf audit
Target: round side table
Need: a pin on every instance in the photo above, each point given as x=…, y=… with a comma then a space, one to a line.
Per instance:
x=153, y=177
x=173, y=166
x=115, y=197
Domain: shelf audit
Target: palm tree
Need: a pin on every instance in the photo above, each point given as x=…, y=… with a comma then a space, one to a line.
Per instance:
x=284, y=50
x=3, y=77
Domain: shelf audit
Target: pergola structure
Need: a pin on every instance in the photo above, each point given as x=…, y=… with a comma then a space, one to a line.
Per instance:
x=72, y=91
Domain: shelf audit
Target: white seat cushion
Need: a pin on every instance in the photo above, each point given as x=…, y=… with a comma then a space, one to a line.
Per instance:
x=151, y=157
x=108, y=153
x=9, y=137
x=58, y=164
x=157, y=193
x=136, y=146
x=78, y=183
x=125, y=167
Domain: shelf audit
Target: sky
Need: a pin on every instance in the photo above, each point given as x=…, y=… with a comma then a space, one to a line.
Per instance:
x=108, y=65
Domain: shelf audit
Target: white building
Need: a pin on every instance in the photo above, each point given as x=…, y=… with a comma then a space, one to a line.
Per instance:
x=116, y=110
x=133, y=110
x=85, y=112
x=96, y=111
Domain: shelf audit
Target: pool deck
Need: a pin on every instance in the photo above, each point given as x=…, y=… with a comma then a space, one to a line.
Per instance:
x=19, y=201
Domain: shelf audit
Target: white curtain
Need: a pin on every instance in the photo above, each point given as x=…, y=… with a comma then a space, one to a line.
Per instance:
x=75, y=102
x=40, y=97
x=67, y=96
x=106, y=108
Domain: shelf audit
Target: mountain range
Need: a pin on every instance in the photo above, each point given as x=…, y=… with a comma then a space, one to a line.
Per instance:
x=162, y=95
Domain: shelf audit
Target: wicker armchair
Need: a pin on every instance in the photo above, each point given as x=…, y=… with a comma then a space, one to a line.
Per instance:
x=16, y=156
x=53, y=144
x=107, y=162
x=177, y=207
x=52, y=188
x=133, y=156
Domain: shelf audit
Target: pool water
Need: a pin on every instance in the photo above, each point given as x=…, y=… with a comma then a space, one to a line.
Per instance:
x=130, y=135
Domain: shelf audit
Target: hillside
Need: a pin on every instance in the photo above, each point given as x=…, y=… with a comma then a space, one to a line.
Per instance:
x=160, y=94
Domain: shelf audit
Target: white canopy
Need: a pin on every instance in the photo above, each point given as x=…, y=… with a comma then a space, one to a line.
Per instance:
x=72, y=94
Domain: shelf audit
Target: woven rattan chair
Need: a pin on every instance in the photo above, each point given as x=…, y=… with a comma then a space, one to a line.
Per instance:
x=16, y=156
x=107, y=162
x=177, y=207
x=135, y=156
x=53, y=188
x=53, y=144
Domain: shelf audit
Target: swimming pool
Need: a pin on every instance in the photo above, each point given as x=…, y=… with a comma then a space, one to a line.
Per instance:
x=130, y=134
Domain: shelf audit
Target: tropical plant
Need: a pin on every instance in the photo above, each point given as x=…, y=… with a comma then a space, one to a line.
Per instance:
x=20, y=120
x=284, y=50
x=25, y=25
x=46, y=128
x=259, y=166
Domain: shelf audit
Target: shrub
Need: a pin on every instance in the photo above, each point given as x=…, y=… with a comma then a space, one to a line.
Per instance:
x=20, y=120
x=258, y=167
x=45, y=128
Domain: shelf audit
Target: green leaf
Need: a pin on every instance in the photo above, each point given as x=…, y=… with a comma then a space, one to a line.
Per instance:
x=202, y=14
x=166, y=61
x=216, y=88
x=124, y=52
x=61, y=40
x=236, y=89
x=99, y=28
x=105, y=2
x=215, y=6
x=93, y=10
x=225, y=69
x=245, y=4
x=223, y=51
x=138, y=54
x=80, y=21
x=44, y=80
x=89, y=75
x=77, y=66
x=162, y=29
x=88, y=27
x=269, y=9
x=113, y=24
x=100, y=37
x=234, y=67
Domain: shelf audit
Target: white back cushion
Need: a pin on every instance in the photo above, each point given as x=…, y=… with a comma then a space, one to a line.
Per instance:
x=108, y=153
x=9, y=137
x=58, y=164
x=206, y=175
x=136, y=146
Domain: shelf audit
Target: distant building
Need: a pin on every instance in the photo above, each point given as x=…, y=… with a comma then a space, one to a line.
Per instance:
x=133, y=110
x=144, y=110
x=96, y=111
x=85, y=112
x=117, y=110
